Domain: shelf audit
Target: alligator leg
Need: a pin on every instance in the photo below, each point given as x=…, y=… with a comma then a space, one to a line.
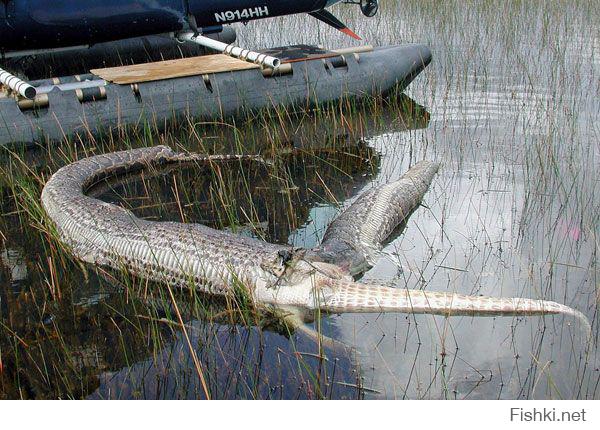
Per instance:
x=296, y=319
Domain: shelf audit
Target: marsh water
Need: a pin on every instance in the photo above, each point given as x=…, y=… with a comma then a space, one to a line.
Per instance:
x=509, y=107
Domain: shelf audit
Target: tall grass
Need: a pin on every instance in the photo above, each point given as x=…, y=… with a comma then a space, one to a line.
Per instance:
x=69, y=327
x=510, y=105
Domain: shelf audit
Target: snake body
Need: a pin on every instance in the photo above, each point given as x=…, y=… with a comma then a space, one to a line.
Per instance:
x=355, y=237
x=194, y=255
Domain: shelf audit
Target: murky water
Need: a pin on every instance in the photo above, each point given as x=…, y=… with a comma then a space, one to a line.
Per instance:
x=512, y=101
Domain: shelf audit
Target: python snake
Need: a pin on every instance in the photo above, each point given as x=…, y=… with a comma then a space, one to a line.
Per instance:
x=194, y=255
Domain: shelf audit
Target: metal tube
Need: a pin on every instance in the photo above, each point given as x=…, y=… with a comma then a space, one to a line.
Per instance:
x=354, y=49
x=72, y=86
x=40, y=101
x=85, y=95
x=284, y=69
x=17, y=85
x=232, y=50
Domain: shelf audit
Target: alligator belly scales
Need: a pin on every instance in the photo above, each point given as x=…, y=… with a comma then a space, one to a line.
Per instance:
x=194, y=255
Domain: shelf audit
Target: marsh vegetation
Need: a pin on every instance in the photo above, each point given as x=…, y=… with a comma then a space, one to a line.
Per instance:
x=509, y=106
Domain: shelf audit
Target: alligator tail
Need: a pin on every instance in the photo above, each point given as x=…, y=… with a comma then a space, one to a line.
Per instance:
x=344, y=297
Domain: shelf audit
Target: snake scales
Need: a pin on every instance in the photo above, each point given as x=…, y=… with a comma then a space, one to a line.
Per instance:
x=194, y=255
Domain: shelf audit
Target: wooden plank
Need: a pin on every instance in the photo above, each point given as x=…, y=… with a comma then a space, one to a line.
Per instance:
x=207, y=64
x=193, y=66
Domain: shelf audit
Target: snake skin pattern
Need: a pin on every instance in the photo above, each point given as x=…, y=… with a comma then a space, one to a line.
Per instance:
x=355, y=237
x=196, y=256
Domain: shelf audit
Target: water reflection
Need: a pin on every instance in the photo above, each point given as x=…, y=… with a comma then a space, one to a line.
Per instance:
x=267, y=201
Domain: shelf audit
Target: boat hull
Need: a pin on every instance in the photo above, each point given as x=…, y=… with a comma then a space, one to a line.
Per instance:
x=209, y=96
